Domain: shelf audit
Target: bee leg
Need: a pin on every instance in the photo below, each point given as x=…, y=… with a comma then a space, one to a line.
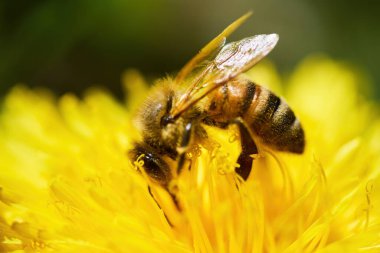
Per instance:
x=248, y=147
x=186, y=138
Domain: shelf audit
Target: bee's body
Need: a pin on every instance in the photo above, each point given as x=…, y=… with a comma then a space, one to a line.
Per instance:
x=172, y=118
x=268, y=119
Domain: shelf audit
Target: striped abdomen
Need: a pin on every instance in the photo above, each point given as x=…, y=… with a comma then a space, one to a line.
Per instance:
x=269, y=117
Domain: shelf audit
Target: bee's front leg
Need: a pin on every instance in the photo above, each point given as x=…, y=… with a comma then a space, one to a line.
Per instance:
x=248, y=147
x=186, y=138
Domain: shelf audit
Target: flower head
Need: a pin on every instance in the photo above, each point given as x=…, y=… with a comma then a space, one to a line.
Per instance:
x=67, y=185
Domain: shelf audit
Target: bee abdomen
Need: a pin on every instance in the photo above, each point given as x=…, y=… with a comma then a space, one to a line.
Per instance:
x=269, y=117
x=274, y=123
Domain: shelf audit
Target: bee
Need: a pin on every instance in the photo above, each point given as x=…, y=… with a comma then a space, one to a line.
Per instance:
x=209, y=91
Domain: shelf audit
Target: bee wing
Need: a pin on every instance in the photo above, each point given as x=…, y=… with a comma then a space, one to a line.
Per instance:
x=214, y=45
x=239, y=56
x=233, y=59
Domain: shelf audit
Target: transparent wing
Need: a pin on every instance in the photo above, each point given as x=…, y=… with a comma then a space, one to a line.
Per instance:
x=212, y=46
x=233, y=59
x=239, y=56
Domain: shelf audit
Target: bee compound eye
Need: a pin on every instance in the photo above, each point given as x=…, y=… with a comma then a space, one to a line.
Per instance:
x=156, y=168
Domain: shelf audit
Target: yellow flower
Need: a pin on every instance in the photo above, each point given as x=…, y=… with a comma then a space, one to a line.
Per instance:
x=66, y=184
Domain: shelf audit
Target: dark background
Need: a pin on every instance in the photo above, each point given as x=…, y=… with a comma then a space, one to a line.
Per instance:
x=71, y=45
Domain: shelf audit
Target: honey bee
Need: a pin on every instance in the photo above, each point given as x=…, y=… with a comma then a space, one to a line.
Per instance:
x=209, y=91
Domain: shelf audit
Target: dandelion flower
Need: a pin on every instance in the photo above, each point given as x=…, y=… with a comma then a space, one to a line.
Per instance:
x=66, y=184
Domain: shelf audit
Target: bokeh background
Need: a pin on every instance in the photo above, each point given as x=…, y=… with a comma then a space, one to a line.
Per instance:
x=71, y=45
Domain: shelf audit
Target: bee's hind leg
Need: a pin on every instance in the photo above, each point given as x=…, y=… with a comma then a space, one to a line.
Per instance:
x=248, y=147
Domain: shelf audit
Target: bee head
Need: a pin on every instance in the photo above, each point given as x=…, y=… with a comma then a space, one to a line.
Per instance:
x=156, y=124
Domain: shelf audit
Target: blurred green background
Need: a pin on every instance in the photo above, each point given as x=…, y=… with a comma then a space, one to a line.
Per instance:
x=71, y=45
